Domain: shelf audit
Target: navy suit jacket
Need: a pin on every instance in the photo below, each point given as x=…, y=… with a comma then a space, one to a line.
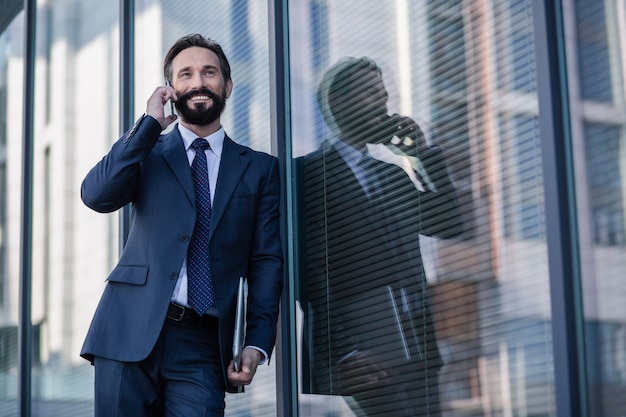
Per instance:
x=151, y=172
x=354, y=251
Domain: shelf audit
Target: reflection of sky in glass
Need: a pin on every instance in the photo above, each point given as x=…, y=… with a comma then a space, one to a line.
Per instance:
x=602, y=144
x=593, y=50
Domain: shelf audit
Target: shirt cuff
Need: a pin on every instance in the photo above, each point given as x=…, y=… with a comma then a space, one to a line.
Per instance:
x=262, y=351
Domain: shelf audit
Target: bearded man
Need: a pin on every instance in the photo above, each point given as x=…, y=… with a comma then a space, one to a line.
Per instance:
x=204, y=214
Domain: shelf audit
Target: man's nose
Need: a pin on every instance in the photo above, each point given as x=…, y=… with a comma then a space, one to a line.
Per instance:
x=197, y=81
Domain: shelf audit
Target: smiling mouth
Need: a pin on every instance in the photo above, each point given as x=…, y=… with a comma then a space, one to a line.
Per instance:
x=198, y=98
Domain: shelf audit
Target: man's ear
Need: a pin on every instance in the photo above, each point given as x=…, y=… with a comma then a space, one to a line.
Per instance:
x=229, y=88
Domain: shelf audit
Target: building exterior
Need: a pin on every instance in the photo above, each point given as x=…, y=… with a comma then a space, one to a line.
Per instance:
x=525, y=98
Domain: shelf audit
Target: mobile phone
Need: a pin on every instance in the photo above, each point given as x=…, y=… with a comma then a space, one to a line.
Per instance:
x=169, y=84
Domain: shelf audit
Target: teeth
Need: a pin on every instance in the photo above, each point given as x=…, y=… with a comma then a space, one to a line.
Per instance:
x=200, y=98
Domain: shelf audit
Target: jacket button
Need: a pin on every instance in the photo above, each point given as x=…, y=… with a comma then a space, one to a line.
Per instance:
x=173, y=275
x=184, y=238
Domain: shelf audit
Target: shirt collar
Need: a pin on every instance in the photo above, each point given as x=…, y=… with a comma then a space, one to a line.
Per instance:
x=348, y=153
x=216, y=139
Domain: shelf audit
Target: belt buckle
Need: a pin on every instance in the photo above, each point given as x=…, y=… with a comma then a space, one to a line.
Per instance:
x=181, y=314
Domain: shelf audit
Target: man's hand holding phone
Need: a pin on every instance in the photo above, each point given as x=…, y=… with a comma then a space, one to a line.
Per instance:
x=155, y=106
x=403, y=132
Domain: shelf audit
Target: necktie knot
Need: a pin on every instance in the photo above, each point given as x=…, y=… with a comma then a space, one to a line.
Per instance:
x=366, y=161
x=200, y=145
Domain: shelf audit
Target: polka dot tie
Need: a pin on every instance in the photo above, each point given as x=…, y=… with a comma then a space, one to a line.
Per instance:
x=200, y=287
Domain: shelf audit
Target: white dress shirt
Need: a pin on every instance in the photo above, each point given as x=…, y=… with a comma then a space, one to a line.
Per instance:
x=213, y=156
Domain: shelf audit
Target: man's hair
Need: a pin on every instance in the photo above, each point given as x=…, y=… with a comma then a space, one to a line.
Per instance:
x=349, y=75
x=340, y=82
x=189, y=41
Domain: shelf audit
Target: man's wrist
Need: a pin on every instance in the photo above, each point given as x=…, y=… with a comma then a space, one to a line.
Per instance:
x=262, y=355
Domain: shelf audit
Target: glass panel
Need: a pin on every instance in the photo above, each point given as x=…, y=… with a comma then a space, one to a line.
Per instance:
x=75, y=115
x=422, y=282
x=597, y=48
x=11, y=124
x=241, y=28
x=76, y=120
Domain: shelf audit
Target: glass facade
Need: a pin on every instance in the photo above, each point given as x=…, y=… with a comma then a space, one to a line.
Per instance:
x=596, y=51
x=478, y=297
x=423, y=280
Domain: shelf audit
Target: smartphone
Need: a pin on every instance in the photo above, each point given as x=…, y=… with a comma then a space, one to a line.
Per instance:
x=169, y=84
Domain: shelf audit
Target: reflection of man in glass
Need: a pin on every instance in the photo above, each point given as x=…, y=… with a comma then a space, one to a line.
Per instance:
x=366, y=198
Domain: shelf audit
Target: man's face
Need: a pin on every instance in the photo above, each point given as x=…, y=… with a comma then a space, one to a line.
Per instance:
x=199, y=82
x=359, y=106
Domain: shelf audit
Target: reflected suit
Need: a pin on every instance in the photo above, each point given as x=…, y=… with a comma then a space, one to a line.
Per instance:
x=368, y=327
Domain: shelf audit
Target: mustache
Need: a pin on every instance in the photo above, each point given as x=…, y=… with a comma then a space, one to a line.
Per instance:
x=200, y=92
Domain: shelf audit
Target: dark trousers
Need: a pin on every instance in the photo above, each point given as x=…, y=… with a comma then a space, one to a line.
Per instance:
x=182, y=377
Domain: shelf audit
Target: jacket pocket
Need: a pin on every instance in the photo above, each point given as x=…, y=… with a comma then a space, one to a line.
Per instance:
x=130, y=274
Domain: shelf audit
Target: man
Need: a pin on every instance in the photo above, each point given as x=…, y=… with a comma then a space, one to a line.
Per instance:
x=366, y=198
x=204, y=214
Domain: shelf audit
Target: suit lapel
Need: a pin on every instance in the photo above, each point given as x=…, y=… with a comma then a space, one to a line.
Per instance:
x=343, y=184
x=173, y=150
x=232, y=165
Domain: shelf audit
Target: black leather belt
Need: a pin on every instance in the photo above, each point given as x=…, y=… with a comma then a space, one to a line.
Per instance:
x=188, y=316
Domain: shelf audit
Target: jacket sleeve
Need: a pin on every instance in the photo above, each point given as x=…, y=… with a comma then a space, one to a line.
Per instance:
x=440, y=213
x=266, y=266
x=112, y=182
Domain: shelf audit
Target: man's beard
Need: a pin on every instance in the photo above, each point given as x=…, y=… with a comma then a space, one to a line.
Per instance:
x=200, y=114
x=365, y=127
